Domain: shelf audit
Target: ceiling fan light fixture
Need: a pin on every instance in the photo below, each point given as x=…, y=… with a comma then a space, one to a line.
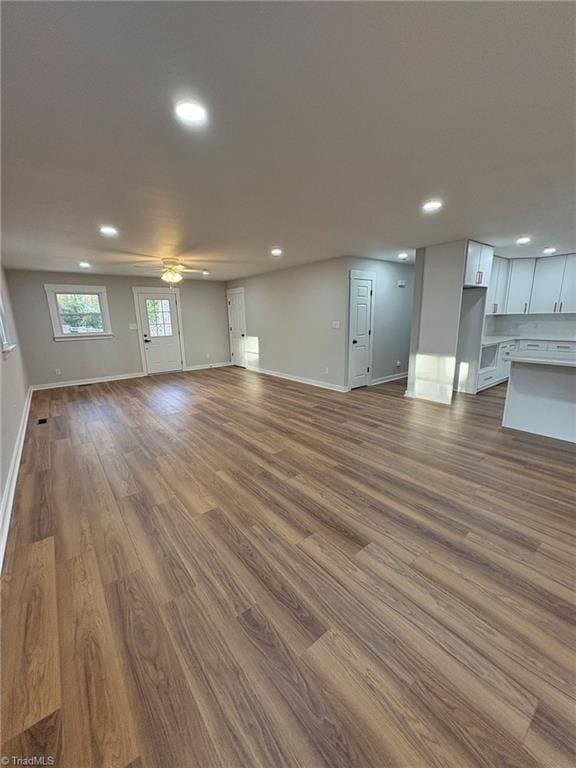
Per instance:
x=171, y=275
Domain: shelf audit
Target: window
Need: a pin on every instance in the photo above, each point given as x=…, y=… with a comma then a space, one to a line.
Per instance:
x=159, y=317
x=5, y=341
x=78, y=311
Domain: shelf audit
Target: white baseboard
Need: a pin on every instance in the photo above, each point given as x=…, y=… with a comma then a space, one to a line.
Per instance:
x=207, y=365
x=300, y=379
x=7, y=502
x=384, y=379
x=79, y=382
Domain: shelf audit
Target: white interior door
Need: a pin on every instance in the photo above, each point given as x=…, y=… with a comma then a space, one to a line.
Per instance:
x=360, y=338
x=237, y=325
x=159, y=325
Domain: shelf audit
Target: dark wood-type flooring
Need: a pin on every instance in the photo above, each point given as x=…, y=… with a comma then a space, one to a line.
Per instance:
x=221, y=569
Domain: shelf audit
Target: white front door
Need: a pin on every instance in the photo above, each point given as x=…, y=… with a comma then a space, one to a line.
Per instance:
x=160, y=330
x=237, y=325
x=360, y=338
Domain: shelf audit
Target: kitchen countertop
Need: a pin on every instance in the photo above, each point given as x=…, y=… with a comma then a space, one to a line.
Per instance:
x=547, y=359
x=487, y=340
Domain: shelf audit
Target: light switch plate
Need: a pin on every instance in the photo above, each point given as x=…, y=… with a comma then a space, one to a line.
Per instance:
x=133, y=326
x=335, y=323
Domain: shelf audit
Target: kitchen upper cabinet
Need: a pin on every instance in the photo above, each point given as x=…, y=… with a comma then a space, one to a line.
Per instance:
x=497, y=287
x=478, y=264
x=520, y=286
x=548, y=276
x=568, y=291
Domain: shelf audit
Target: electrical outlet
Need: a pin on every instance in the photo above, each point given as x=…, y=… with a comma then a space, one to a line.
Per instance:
x=58, y=372
x=326, y=370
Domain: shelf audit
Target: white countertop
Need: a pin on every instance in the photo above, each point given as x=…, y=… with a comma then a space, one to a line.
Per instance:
x=487, y=340
x=568, y=361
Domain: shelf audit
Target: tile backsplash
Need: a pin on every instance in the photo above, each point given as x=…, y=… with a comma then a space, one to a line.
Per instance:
x=538, y=325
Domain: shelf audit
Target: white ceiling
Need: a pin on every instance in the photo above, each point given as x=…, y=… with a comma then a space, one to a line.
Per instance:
x=330, y=124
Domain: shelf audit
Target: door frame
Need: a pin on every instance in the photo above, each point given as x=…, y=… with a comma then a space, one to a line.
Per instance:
x=361, y=274
x=137, y=292
x=241, y=292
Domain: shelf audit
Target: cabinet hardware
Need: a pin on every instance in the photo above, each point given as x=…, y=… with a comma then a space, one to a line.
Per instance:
x=477, y=278
x=555, y=305
x=562, y=346
x=481, y=278
x=525, y=306
x=495, y=308
x=560, y=310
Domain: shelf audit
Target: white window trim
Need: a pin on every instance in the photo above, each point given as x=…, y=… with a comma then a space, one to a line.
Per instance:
x=5, y=339
x=52, y=290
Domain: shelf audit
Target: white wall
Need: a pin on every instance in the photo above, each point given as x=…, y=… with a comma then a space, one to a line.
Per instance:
x=204, y=320
x=290, y=313
x=13, y=389
x=392, y=315
x=438, y=289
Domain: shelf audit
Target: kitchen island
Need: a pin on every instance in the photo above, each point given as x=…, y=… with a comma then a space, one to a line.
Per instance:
x=541, y=395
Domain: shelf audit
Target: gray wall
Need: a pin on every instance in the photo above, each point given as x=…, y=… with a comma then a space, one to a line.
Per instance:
x=438, y=289
x=204, y=320
x=291, y=313
x=14, y=389
x=392, y=315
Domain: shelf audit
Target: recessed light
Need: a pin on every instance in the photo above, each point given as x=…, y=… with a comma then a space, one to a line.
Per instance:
x=205, y=272
x=403, y=256
x=549, y=251
x=108, y=231
x=432, y=206
x=524, y=240
x=84, y=265
x=276, y=252
x=191, y=113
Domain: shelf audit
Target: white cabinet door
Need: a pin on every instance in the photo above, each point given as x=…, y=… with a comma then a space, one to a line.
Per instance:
x=548, y=276
x=520, y=286
x=478, y=264
x=497, y=287
x=485, y=265
x=568, y=292
x=493, y=286
x=473, y=254
x=502, y=286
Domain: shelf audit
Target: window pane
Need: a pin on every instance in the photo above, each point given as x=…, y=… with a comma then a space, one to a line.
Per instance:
x=80, y=313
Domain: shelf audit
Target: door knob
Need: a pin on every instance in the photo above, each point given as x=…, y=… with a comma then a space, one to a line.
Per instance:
x=147, y=341
x=354, y=341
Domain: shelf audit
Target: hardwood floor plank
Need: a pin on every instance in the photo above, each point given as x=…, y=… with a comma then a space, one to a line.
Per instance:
x=30, y=644
x=42, y=740
x=170, y=728
x=98, y=726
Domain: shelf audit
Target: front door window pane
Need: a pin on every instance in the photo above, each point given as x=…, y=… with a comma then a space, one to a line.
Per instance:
x=159, y=317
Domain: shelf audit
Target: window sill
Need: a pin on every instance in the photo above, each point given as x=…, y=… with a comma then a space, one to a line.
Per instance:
x=84, y=336
x=8, y=348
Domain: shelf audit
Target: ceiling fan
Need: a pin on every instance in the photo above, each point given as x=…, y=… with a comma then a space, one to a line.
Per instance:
x=172, y=269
